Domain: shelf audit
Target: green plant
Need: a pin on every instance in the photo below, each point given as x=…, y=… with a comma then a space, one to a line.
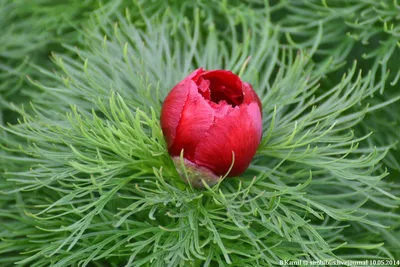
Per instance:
x=88, y=180
x=85, y=178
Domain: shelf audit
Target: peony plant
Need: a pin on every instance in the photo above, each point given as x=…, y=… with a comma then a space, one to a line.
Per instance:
x=215, y=120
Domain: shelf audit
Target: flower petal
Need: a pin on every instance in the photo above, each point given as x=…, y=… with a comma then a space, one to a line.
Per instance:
x=224, y=85
x=197, y=117
x=204, y=88
x=250, y=96
x=239, y=131
x=220, y=109
x=173, y=105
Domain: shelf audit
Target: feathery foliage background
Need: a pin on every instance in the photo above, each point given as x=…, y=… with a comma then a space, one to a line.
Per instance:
x=85, y=178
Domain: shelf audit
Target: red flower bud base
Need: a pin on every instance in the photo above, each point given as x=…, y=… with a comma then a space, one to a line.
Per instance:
x=195, y=173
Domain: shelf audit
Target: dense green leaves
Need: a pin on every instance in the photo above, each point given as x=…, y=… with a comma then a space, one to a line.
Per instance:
x=85, y=178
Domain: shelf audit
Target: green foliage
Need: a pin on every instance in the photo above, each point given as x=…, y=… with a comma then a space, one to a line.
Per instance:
x=366, y=31
x=31, y=30
x=85, y=178
x=34, y=29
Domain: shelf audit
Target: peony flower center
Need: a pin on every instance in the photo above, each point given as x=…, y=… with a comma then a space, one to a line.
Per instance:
x=218, y=87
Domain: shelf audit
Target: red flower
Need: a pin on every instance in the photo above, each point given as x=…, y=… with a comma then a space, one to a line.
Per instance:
x=209, y=115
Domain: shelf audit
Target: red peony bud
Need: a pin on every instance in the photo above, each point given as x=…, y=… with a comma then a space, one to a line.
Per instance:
x=214, y=118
